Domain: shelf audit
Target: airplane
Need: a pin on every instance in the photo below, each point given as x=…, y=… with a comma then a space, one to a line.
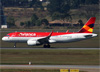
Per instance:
x=46, y=38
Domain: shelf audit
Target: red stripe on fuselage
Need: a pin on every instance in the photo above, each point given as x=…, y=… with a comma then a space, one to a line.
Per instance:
x=36, y=34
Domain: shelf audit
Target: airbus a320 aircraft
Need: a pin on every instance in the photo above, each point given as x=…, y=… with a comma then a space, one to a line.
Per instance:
x=45, y=38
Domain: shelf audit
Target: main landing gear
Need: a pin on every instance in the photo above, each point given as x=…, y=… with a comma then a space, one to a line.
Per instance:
x=46, y=46
x=14, y=45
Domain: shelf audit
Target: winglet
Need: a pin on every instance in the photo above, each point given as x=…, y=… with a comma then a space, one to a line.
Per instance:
x=50, y=34
x=45, y=39
x=67, y=31
x=88, y=27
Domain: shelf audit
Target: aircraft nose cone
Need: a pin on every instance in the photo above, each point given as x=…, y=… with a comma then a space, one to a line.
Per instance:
x=3, y=39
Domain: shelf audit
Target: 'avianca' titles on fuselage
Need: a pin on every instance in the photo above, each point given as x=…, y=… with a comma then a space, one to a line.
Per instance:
x=39, y=38
x=56, y=36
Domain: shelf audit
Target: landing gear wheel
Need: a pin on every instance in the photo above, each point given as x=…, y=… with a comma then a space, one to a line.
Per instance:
x=46, y=46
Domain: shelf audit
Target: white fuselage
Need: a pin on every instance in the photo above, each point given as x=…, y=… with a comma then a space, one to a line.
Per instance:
x=53, y=39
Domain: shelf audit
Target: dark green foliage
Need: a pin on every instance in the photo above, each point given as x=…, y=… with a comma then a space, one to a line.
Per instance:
x=55, y=16
x=21, y=23
x=74, y=4
x=91, y=1
x=80, y=22
x=38, y=23
x=10, y=21
x=59, y=9
x=34, y=18
x=45, y=22
x=37, y=3
x=89, y=11
x=28, y=24
x=60, y=6
x=21, y=3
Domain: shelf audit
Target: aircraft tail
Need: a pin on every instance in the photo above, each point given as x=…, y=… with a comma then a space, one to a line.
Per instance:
x=88, y=27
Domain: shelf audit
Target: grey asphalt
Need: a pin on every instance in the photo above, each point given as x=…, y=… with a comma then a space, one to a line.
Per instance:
x=58, y=48
x=49, y=66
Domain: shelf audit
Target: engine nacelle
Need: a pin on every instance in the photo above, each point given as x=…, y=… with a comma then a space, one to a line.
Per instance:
x=30, y=42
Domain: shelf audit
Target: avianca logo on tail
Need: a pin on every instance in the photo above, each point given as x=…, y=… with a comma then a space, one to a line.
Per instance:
x=27, y=34
x=88, y=27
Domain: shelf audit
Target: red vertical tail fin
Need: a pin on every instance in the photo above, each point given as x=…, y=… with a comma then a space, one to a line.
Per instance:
x=88, y=27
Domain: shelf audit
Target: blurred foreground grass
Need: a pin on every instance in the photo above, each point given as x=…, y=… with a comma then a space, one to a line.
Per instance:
x=31, y=70
x=49, y=57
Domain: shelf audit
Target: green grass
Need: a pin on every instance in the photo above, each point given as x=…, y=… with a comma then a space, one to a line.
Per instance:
x=50, y=57
x=28, y=70
x=31, y=70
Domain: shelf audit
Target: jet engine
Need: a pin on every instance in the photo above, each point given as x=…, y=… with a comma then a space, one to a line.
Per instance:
x=31, y=42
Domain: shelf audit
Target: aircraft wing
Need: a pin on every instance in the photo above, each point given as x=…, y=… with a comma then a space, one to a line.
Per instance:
x=40, y=41
x=45, y=40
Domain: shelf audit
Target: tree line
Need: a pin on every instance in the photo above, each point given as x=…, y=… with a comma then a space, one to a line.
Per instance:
x=34, y=21
x=38, y=3
x=21, y=3
x=58, y=9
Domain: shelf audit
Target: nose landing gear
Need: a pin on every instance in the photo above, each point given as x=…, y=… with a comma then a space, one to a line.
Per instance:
x=14, y=45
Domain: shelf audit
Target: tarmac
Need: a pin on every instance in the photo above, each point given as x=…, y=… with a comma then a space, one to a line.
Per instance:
x=57, y=48
x=80, y=67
